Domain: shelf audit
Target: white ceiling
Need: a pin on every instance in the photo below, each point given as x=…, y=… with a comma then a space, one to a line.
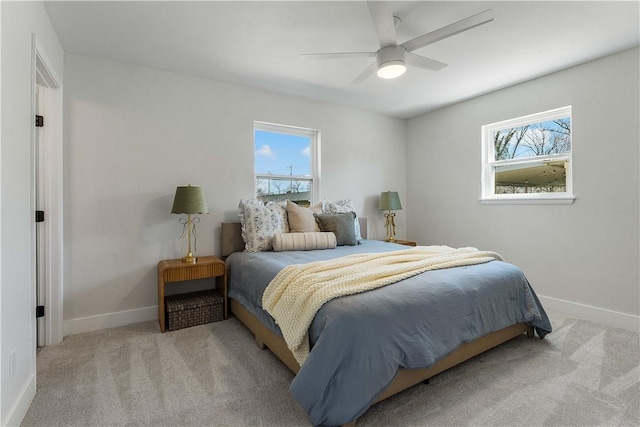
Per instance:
x=258, y=44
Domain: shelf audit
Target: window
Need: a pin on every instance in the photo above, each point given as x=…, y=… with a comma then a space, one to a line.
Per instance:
x=528, y=159
x=286, y=163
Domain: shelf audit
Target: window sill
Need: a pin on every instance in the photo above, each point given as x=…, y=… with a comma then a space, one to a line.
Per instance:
x=529, y=201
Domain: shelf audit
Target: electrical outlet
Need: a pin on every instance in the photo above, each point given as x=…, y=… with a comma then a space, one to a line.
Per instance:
x=12, y=364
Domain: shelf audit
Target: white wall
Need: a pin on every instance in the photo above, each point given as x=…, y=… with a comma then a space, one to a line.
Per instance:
x=132, y=134
x=19, y=21
x=583, y=257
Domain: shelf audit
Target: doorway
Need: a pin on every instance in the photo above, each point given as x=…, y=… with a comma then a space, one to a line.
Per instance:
x=46, y=186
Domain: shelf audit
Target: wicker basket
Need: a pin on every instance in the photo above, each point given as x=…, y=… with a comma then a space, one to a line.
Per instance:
x=195, y=308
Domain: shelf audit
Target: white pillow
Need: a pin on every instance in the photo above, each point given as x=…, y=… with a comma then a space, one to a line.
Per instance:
x=260, y=223
x=304, y=241
x=342, y=206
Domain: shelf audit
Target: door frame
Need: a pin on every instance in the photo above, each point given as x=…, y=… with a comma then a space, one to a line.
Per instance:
x=51, y=168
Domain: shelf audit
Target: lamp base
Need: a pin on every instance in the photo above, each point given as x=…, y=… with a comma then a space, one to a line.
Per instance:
x=190, y=259
x=390, y=225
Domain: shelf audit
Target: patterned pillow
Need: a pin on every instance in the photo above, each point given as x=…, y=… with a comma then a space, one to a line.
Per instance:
x=303, y=241
x=260, y=223
x=341, y=224
x=343, y=206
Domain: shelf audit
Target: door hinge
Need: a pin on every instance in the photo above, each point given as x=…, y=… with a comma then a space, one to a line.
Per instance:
x=39, y=311
x=39, y=121
x=39, y=216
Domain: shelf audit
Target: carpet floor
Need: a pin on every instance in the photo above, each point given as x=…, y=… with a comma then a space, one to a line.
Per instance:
x=582, y=374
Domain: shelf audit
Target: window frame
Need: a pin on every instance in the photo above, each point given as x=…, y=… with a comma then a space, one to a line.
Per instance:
x=314, y=152
x=489, y=164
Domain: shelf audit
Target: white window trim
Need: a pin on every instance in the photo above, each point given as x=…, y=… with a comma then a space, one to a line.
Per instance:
x=488, y=164
x=314, y=136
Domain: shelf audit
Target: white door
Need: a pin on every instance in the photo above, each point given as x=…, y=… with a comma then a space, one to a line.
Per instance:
x=41, y=277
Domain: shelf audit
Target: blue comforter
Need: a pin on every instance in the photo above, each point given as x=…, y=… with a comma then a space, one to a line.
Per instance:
x=359, y=342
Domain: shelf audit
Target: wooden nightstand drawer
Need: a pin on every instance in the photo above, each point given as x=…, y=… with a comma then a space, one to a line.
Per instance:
x=195, y=271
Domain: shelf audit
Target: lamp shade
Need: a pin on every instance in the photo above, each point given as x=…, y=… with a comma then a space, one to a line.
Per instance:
x=189, y=200
x=389, y=201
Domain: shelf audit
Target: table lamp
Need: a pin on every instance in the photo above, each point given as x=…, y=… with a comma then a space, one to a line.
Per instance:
x=390, y=201
x=189, y=200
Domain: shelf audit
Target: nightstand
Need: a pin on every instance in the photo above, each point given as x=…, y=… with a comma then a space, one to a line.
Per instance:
x=405, y=242
x=177, y=271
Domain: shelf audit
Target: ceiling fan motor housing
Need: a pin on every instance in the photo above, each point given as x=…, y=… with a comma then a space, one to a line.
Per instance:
x=389, y=54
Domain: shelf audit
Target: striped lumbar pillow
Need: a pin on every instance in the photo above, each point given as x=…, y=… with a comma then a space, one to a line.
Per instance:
x=303, y=241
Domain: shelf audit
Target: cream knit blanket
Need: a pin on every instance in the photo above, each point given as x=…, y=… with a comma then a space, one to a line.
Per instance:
x=298, y=291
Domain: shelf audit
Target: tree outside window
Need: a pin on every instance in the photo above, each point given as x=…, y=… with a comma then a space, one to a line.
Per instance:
x=528, y=157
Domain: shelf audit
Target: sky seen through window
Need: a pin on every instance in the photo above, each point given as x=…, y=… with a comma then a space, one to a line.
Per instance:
x=282, y=154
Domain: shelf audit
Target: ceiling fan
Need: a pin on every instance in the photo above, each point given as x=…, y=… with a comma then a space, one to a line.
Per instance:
x=392, y=59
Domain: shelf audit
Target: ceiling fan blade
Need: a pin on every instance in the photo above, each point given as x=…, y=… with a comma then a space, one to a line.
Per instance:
x=422, y=62
x=383, y=23
x=449, y=30
x=366, y=73
x=338, y=55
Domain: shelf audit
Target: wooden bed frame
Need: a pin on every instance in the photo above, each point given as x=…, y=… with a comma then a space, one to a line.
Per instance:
x=405, y=378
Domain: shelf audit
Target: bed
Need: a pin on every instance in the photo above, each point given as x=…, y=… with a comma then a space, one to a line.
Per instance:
x=370, y=346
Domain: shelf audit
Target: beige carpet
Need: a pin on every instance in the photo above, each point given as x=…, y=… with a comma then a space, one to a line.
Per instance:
x=214, y=375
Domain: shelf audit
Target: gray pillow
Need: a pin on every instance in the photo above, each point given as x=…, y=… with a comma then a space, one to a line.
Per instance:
x=341, y=224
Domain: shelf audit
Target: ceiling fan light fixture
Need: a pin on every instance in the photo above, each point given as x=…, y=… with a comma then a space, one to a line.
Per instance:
x=391, y=62
x=391, y=69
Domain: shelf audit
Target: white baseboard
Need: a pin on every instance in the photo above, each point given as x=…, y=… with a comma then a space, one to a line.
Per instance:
x=17, y=413
x=109, y=320
x=603, y=316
